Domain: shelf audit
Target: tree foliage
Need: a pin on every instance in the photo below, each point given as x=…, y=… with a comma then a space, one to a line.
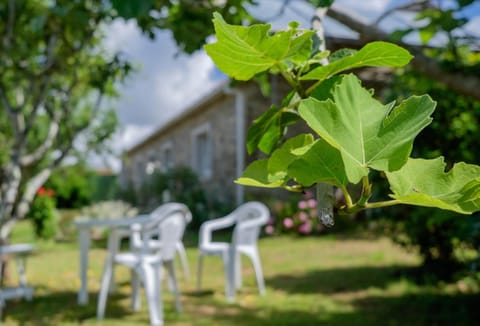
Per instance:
x=54, y=74
x=188, y=20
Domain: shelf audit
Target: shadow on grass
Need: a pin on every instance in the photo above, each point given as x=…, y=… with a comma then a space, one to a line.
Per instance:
x=338, y=280
x=51, y=308
x=421, y=308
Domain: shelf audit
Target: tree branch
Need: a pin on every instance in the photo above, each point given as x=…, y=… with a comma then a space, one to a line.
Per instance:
x=38, y=154
x=13, y=113
x=412, y=6
x=31, y=189
x=460, y=83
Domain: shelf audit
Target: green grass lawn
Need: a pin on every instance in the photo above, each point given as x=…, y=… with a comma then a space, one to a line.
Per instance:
x=329, y=280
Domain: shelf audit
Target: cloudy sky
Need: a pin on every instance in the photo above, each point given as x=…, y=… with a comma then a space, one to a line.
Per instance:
x=166, y=83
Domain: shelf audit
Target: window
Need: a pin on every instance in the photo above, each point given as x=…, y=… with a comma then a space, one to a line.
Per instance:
x=139, y=172
x=202, y=151
x=166, y=151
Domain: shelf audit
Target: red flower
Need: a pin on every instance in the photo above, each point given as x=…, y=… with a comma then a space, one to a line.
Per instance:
x=45, y=192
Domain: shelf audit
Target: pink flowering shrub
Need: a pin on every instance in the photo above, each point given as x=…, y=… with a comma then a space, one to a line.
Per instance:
x=298, y=216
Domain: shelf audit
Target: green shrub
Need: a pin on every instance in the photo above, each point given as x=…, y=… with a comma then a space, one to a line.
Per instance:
x=73, y=186
x=43, y=214
x=437, y=234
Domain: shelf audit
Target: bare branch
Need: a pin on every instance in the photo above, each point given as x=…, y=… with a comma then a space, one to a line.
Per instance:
x=463, y=84
x=412, y=6
x=37, y=100
x=12, y=112
x=38, y=154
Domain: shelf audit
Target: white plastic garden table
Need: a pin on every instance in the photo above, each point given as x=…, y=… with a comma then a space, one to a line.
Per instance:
x=84, y=227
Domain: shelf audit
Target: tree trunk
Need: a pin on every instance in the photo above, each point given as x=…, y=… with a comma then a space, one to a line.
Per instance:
x=324, y=191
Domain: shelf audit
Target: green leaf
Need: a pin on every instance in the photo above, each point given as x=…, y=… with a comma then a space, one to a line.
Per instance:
x=321, y=3
x=272, y=172
x=399, y=34
x=426, y=33
x=321, y=163
x=367, y=133
x=342, y=53
x=425, y=183
x=324, y=91
x=282, y=157
x=256, y=175
x=265, y=131
x=242, y=52
x=132, y=9
x=374, y=54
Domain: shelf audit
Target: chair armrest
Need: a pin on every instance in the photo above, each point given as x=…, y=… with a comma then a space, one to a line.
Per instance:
x=20, y=248
x=207, y=228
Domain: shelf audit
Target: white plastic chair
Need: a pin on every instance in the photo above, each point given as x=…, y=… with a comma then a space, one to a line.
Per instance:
x=136, y=243
x=146, y=263
x=20, y=252
x=247, y=220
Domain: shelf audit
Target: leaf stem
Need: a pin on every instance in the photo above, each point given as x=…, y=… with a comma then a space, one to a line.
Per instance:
x=312, y=88
x=366, y=192
x=288, y=78
x=346, y=194
x=385, y=203
x=357, y=208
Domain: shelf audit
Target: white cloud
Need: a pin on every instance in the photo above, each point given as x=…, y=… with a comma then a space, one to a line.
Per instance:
x=163, y=86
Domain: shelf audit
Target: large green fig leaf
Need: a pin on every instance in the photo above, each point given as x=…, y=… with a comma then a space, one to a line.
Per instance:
x=242, y=52
x=424, y=182
x=367, y=133
x=375, y=54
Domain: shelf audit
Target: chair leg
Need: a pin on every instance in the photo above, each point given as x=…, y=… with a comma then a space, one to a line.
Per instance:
x=183, y=259
x=21, y=267
x=153, y=292
x=229, y=266
x=169, y=265
x=135, y=285
x=238, y=271
x=257, y=266
x=199, y=271
x=104, y=289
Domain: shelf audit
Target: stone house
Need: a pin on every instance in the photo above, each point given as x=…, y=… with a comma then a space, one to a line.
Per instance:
x=209, y=137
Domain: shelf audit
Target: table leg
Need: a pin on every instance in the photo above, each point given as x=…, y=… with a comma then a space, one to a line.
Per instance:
x=84, y=242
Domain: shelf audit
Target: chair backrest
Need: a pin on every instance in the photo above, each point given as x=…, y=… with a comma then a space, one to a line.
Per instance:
x=250, y=217
x=167, y=222
x=171, y=229
x=159, y=213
